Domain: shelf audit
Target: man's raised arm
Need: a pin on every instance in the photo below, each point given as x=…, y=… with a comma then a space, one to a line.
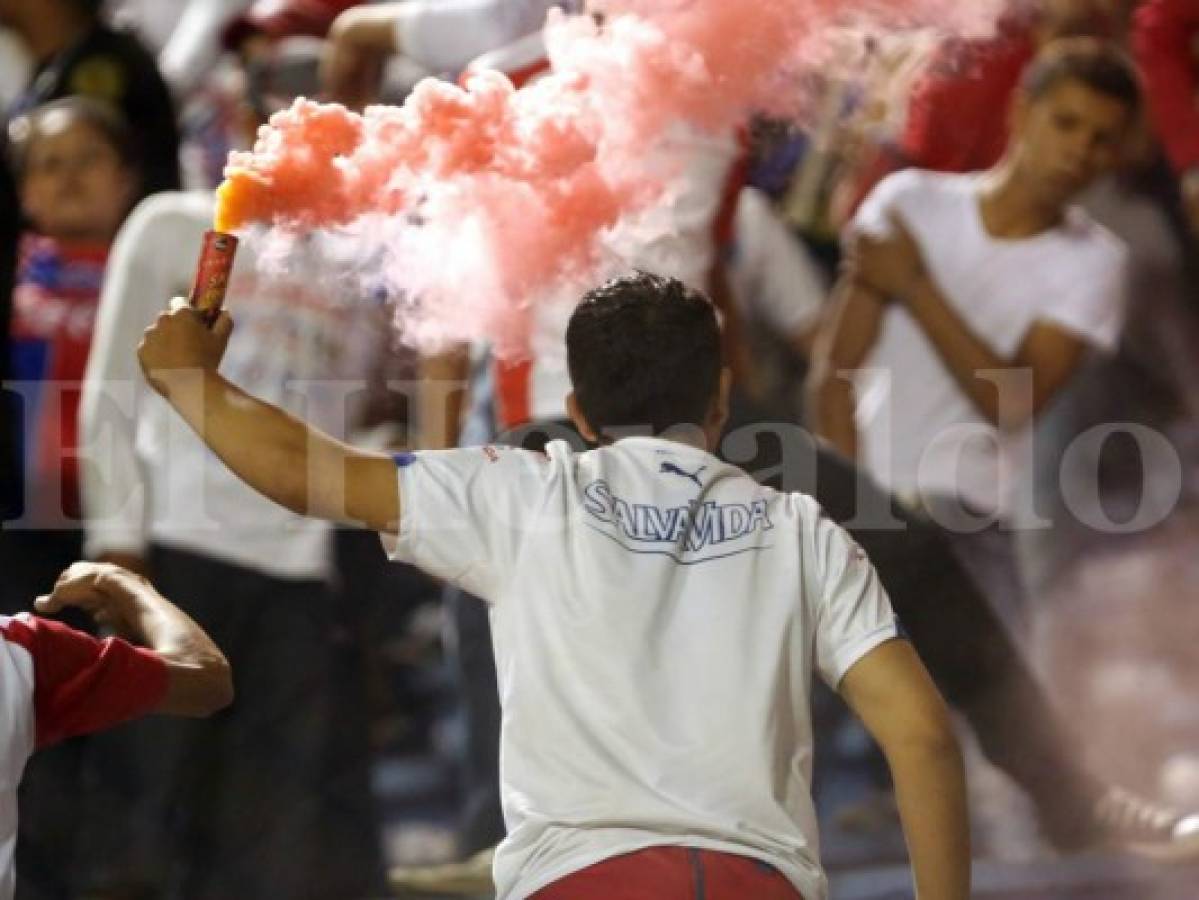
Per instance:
x=278, y=455
x=894, y=267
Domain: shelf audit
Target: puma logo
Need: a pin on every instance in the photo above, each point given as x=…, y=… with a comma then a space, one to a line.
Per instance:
x=669, y=468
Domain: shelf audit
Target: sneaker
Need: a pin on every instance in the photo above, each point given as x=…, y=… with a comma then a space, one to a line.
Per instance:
x=1127, y=822
x=469, y=878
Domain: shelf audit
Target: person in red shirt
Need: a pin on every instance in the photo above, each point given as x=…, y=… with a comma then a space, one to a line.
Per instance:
x=1164, y=45
x=56, y=682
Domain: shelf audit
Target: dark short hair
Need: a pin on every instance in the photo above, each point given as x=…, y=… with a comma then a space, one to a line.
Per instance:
x=105, y=120
x=644, y=350
x=1100, y=65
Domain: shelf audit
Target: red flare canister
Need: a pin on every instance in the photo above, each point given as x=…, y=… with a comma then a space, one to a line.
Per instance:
x=212, y=274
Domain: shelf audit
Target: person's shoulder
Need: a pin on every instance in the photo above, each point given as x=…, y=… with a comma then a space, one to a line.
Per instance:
x=19, y=630
x=816, y=526
x=931, y=181
x=798, y=510
x=805, y=505
x=913, y=189
x=1092, y=240
x=561, y=458
x=502, y=459
x=174, y=210
x=36, y=635
x=557, y=452
x=754, y=209
x=18, y=662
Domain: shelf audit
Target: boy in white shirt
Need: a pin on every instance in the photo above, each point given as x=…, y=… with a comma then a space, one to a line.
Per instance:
x=968, y=303
x=657, y=615
x=971, y=300
x=961, y=287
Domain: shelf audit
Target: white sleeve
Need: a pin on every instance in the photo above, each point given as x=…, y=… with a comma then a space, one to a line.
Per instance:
x=149, y=263
x=465, y=513
x=850, y=611
x=195, y=42
x=445, y=35
x=1091, y=300
x=887, y=199
x=676, y=236
x=771, y=271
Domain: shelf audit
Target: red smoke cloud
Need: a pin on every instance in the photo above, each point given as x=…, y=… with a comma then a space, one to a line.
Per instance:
x=480, y=201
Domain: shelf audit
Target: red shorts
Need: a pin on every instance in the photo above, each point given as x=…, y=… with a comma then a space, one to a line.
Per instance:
x=673, y=873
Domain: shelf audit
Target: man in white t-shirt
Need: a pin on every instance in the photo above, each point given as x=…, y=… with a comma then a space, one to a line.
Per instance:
x=969, y=301
x=657, y=615
x=972, y=299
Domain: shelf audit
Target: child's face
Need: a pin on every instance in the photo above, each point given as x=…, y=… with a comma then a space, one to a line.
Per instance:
x=1068, y=138
x=74, y=185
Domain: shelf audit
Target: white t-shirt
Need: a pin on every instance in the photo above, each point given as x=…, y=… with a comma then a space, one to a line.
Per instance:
x=186, y=34
x=657, y=616
x=15, y=67
x=772, y=276
x=445, y=35
x=919, y=432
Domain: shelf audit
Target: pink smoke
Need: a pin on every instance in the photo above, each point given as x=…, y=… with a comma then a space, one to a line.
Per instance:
x=475, y=204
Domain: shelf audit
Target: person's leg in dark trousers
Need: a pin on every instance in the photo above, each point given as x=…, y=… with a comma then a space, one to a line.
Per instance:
x=966, y=648
x=30, y=562
x=366, y=590
x=264, y=831
x=481, y=821
x=970, y=653
x=149, y=783
x=234, y=806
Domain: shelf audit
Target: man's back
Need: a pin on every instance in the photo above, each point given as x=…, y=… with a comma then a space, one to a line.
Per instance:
x=625, y=586
x=656, y=616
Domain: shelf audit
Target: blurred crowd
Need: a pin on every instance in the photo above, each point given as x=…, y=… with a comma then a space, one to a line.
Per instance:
x=823, y=250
